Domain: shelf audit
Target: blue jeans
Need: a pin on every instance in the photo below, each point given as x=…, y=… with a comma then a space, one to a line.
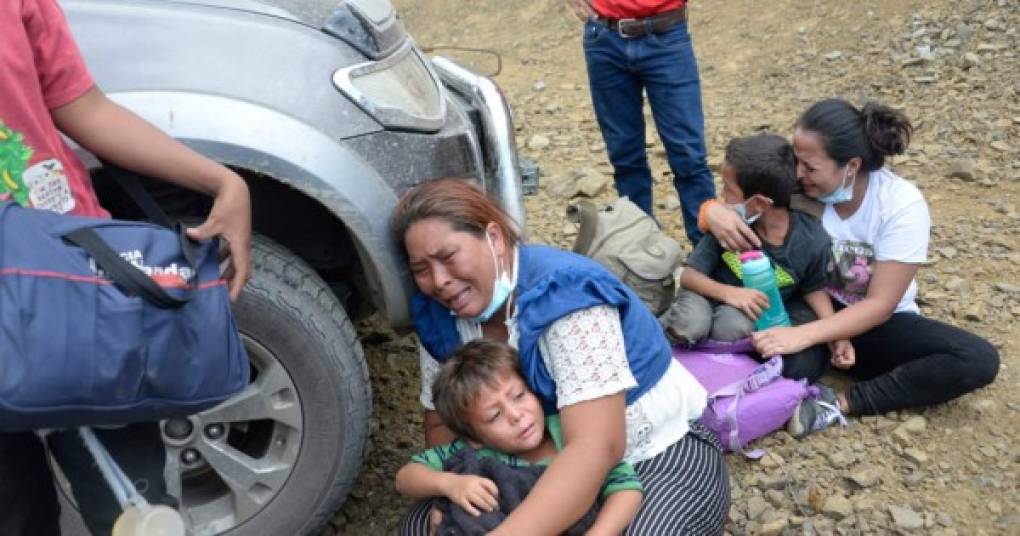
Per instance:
x=664, y=66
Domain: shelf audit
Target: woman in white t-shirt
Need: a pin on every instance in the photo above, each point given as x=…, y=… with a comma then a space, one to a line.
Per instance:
x=879, y=225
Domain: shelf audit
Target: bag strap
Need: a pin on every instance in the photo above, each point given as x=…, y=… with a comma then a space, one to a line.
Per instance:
x=123, y=273
x=587, y=215
x=132, y=186
x=761, y=376
x=129, y=276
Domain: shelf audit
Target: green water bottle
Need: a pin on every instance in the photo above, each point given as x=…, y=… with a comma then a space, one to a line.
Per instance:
x=759, y=275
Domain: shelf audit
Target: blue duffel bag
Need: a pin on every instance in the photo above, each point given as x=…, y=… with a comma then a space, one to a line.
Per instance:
x=106, y=322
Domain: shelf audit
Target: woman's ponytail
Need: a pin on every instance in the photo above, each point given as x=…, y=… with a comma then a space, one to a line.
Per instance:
x=871, y=134
x=888, y=130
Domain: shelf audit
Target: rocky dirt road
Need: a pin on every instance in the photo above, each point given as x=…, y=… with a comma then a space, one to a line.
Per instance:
x=954, y=68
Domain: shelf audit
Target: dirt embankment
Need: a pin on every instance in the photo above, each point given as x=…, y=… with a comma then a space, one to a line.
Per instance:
x=954, y=68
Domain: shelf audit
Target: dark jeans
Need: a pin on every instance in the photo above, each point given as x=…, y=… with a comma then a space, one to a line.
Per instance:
x=28, y=497
x=664, y=66
x=911, y=361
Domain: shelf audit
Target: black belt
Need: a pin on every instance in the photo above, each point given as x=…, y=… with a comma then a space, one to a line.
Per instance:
x=657, y=23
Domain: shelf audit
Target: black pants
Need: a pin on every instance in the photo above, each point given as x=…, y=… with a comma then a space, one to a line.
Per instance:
x=812, y=362
x=911, y=361
x=28, y=497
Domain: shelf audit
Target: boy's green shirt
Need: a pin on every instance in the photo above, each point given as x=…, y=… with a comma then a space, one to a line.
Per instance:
x=620, y=478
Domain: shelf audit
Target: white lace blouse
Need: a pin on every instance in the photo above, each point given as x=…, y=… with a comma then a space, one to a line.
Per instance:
x=584, y=353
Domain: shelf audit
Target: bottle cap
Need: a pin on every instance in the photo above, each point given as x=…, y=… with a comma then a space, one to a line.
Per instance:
x=750, y=255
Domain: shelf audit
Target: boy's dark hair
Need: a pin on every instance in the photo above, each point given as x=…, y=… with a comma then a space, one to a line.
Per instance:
x=764, y=164
x=473, y=365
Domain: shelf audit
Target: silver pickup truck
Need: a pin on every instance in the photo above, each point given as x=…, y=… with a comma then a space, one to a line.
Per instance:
x=329, y=118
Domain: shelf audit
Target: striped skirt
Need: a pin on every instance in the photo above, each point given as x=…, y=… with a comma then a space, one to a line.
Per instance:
x=686, y=491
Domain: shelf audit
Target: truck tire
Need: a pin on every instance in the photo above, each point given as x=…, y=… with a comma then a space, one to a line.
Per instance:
x=282, y=455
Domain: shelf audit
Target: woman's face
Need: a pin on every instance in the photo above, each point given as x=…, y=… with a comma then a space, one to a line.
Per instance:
x=453, y=267
x=817, y=172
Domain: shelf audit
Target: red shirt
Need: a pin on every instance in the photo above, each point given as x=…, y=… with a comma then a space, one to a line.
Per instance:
x=628, y=9
x=40, y=69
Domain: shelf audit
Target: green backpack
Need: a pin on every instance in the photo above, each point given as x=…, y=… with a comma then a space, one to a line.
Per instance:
x=628, y=242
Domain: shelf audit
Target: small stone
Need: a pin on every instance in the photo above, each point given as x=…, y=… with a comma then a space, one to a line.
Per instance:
x=756, y=506
x=983, y=405
x=864, y=505
x=591, y=182
x=915, y=455
x=539, y=86
x=905, y=518
x=866, y=476
x=963, y=169
x=837, y=507
x=771, y=461
x=944, y=519
x=1007, y=287
x=569, y=229
x=538, y=142
x=955, y=283
x=995, y=507
x=1000, y=145
x=776, y=498
x=774, y=527
x=948, y=252
x=976, y=312
x=832, y=56
x=915, y=424
x=840, y=459
x=971, y=60
x=560, y=187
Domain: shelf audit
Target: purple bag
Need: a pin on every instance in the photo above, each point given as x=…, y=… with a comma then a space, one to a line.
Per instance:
x=746, y=399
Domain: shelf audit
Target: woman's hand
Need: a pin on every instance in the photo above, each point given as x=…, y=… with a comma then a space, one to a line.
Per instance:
x=729, y=228
x=780, y=341
x=749, y=301
x=472, y=493
x=843, y=354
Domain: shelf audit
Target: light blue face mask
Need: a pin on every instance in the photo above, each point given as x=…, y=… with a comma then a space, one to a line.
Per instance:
x=741, y=210
x=842, y=194
x=501, y=289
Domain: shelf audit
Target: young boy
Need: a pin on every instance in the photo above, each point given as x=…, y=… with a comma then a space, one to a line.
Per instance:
x=484, y=400
x=46, y=90
x=759, y=176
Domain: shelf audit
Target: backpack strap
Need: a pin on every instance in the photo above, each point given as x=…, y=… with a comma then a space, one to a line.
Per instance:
x=761, y=376
x=586, y=214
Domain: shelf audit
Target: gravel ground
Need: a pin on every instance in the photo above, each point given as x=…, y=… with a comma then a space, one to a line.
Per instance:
x=954, y=68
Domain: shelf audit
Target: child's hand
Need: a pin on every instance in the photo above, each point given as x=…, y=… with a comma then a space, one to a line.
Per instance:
x=472, y=493
x=843, y=354
x=749, y=301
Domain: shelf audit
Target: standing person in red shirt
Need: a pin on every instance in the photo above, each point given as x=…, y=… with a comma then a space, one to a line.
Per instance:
x=46, y=90
x=632, y=46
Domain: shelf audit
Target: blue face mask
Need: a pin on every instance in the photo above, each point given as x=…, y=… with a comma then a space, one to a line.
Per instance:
x=842, y=194
x=501, y=289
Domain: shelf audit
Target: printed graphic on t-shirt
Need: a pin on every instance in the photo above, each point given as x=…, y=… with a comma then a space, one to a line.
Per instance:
x=42, y=185
x=849, y=270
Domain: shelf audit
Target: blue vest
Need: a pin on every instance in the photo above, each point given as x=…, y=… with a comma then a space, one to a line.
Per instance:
x=551, y=284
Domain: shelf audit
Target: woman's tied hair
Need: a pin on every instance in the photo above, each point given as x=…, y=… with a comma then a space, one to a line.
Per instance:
x=455, y=201
x=475, y=364
x=871, y=133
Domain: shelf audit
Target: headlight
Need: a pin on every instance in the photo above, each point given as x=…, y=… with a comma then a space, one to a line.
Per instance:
x=399, y=91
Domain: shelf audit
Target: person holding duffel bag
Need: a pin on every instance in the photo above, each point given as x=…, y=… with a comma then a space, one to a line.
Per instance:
x=45, y=90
